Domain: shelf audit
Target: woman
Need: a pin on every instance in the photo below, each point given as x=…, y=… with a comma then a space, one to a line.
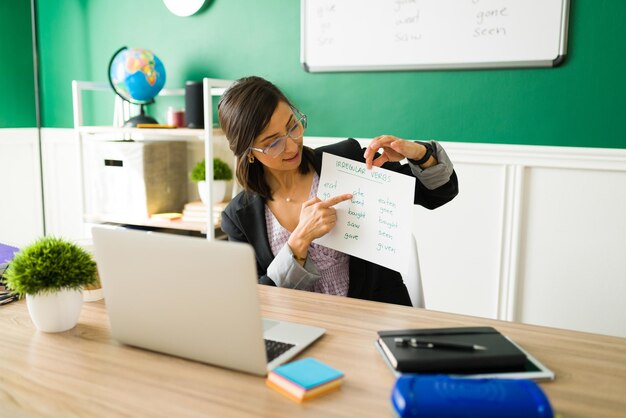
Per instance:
x=278, y=213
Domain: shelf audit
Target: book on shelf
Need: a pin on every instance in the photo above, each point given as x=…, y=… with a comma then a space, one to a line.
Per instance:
x=198, y=212
x=166, y=216
x=304, y=379
x=195, y=207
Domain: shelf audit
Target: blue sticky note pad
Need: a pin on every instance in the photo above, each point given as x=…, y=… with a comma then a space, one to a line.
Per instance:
x=308, y=372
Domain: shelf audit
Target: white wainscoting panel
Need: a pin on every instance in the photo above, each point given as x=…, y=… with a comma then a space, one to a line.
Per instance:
x=21, y=213
x=563, y=248
x=62, y=184
x=458, y=244
x=574, y=250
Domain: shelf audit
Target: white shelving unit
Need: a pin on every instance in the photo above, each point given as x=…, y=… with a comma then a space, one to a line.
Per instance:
x=211, y=88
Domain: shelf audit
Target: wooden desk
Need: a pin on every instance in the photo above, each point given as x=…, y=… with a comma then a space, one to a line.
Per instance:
x=83, y=373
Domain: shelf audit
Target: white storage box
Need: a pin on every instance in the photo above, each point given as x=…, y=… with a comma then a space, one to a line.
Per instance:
x=133, y=180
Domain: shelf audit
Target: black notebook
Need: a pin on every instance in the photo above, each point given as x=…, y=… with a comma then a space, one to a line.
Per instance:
x=450, y=350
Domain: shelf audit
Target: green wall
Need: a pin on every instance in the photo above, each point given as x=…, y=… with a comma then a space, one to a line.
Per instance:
x=580, y=103
x=17, y=95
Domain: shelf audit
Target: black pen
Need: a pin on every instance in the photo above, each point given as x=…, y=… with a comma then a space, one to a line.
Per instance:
x=7, y=298
x=420, y=343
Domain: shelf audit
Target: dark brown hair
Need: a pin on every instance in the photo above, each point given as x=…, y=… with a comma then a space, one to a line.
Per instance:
x=244, y=111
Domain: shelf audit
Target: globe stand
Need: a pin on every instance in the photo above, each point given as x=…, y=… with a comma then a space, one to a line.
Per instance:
x=141, y=118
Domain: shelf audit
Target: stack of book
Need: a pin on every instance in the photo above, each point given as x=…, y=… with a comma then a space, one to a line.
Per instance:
x=304, y=379
x=198, y=212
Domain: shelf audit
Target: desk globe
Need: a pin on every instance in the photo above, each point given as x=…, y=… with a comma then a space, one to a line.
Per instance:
x=137, y=75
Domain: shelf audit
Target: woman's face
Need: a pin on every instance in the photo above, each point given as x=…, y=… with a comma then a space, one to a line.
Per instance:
x=282, y=123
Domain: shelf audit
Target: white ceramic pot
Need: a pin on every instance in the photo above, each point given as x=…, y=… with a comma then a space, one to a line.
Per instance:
x=219, y=191
x=55, y=312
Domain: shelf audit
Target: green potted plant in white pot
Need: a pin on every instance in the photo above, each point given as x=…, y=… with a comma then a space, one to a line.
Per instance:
x=221, y=175
x=51, y=273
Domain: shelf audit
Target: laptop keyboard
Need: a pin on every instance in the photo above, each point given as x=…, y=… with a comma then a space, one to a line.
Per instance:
x=274, y=349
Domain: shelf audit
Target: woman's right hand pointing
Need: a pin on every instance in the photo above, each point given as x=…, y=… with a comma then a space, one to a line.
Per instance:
x=317, y=218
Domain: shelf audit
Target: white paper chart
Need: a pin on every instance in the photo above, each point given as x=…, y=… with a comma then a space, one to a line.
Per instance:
x=376, y=223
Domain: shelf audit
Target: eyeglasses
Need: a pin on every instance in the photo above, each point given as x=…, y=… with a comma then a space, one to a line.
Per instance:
x=295, y=132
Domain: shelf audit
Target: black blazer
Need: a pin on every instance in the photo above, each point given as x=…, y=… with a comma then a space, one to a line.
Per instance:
x=243, y=220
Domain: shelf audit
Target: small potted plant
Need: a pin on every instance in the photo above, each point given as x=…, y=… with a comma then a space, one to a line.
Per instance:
x=221, y=175
x=51, y=274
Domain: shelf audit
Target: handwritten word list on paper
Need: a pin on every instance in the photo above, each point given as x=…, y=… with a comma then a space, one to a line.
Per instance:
x=376, y=223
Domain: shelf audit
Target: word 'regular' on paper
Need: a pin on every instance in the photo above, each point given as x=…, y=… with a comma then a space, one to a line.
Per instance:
x=376, y=223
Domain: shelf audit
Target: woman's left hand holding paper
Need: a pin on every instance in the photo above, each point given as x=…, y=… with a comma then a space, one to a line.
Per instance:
x=393, y=149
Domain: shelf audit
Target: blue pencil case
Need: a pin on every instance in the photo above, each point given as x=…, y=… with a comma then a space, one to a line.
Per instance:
x=442, y=396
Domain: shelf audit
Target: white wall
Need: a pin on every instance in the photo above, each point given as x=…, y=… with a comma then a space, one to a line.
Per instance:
x=537, y=234
x=21, y=214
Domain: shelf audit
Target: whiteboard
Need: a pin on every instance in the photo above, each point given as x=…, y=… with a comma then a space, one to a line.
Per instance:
x=379, y=35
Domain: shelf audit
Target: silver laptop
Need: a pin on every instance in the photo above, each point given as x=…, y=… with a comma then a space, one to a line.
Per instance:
x=192, y=298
